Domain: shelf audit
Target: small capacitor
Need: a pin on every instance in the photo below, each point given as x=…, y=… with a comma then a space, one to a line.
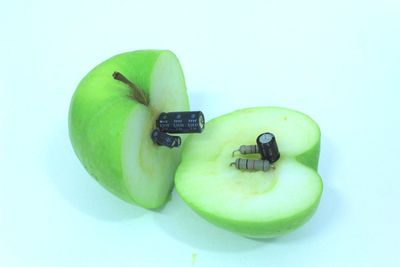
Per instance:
x=181, y=122
x=267, y=147
x=252, y=164
x=246, y=149
x=164, y=139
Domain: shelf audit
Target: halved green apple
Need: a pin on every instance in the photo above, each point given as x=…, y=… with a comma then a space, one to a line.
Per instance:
x=255, y=204
x=110, y=131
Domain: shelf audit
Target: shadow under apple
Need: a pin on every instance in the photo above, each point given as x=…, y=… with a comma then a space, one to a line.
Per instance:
x=183, y=224
x=77, y=187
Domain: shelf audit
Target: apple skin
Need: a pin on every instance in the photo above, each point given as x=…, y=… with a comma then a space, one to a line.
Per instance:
x=98, y=115
x=257, y=229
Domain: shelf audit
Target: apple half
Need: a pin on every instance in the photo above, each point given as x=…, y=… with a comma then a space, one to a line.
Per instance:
x=110, y=131
x=253, y=203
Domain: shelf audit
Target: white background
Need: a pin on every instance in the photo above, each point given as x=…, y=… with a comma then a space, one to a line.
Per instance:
x=338, y=61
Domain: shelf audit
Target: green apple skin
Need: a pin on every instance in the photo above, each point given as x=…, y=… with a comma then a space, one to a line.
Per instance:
x=99, y=113
x=254, y=228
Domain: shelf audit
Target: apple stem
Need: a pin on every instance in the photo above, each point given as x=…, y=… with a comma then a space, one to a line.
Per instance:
x=138, y=94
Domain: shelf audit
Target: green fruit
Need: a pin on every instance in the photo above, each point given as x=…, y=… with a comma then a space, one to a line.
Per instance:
x=110, y=130
x=255, y=204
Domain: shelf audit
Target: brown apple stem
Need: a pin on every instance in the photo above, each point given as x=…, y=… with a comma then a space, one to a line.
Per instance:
x=138, y=94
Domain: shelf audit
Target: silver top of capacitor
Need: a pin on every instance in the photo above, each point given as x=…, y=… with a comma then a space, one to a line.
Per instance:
x=266, y=138
x=201, y=121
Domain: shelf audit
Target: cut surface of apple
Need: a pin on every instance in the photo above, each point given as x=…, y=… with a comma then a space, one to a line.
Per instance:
x=110, y=131
x=253, y=203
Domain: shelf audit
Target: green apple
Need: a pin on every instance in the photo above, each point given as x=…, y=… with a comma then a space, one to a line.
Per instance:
x=111, y=118
x=253, y=203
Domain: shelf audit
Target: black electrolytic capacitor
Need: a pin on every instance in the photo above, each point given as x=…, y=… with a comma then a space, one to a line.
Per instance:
x=181, y=122
x=164, y=139
x=267, y=147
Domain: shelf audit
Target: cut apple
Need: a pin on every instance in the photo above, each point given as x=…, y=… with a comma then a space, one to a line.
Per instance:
x=254, y=204
x=110, y=131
